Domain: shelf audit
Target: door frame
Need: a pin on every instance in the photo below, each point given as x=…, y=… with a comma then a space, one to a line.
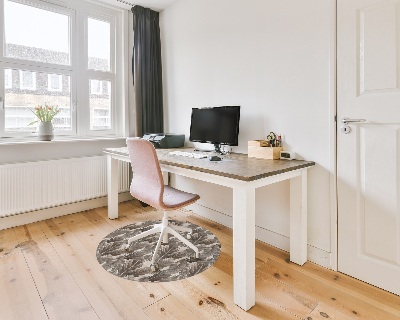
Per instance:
x=333, y=136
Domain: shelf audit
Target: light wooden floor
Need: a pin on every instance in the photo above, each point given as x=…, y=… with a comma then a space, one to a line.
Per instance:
x=48, y=270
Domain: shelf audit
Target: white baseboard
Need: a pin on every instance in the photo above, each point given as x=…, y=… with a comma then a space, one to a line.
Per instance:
x=315, y=255
x=212, y=215
x=39, y=215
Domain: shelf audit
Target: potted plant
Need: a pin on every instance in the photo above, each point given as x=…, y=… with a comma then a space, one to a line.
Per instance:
x=45, y=115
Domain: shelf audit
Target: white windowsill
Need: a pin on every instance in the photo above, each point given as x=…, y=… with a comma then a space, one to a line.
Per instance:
x=60, y=139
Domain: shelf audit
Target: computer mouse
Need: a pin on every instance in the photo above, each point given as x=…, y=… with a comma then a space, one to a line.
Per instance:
x=214, y=158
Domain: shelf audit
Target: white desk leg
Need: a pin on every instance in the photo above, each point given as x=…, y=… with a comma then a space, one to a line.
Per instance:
x=165, y=175
x=244, y=247
x=298, y=218
x=112, y=187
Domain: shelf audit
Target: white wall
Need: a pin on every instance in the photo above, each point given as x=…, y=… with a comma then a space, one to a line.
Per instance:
x=273, y=58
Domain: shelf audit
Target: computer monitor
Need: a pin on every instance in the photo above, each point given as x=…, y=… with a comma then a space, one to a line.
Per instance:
x=218, y=125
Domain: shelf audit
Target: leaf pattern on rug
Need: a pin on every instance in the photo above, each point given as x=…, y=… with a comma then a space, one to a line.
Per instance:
x=173, y=258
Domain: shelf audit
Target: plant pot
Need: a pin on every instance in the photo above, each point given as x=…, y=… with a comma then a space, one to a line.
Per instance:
x=45, y=131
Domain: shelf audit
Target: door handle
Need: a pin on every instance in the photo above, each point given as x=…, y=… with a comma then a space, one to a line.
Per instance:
x=345, y=128
x=347, y=120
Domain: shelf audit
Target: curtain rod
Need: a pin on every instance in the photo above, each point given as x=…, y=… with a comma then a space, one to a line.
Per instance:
x=127, y=3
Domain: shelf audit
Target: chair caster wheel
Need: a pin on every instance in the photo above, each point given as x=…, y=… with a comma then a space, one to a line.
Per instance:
x=193, y=258
x=154, y=267
x=189, y=236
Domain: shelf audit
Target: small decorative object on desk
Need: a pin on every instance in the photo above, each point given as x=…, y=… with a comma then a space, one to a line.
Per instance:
x=266, y=149
x=45, y=115
x=274, y=140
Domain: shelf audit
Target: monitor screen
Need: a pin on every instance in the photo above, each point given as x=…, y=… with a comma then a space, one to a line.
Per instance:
x=219, y=125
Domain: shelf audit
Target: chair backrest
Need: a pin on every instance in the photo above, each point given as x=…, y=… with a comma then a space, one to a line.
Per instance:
x=147, y=181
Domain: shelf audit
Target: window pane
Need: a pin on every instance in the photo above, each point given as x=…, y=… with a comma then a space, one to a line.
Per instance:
x=36, y=34
x=54, y=82
x=7, y=79
x=27, y=80
x=96, y=87
x=19, y=101
x=100, y=105
x=98, y=45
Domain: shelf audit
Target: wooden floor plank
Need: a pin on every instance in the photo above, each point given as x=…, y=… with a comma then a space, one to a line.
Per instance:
x=19, y=298
x=171, y=308
x=205, y=306
x=293, y=300
x=38, y=259
x=100, y=287
x=60, y=294
x=356, y=287
x=8, y=242
x=75, y=257
x=105, y=295
x=92, y=278
x=219, y=287
x=323, y=312
x=294, y=276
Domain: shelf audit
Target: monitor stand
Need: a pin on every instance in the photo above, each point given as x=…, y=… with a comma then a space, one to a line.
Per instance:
x=217, y=148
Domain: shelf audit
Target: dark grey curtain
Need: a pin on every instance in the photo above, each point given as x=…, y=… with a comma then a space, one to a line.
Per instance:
x=147, y=71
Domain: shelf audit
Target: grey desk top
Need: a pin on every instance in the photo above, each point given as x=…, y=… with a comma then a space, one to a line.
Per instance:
x=235, y=165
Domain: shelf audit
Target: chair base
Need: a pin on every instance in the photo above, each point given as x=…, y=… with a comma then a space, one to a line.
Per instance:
x=165, y=228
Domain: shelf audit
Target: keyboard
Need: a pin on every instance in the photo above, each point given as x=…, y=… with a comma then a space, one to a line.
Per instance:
x=188, y=154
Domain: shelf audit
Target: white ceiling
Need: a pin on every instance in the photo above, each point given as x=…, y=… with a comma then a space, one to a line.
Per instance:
x=154, y=4
x=157, y=5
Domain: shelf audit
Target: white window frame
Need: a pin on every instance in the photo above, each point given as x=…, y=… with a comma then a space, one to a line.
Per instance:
x=50, y=82
x=22, y=86
x=39, y=67
x=110, y=75
x=79, y=11
x=8, y=84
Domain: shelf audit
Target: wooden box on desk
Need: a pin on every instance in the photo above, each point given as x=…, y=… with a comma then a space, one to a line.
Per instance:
x=255, y=149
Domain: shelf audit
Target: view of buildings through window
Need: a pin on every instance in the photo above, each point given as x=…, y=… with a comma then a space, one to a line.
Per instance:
x=26, y=88
x=54, y=82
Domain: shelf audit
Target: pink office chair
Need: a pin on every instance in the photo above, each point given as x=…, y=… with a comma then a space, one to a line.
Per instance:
x=148, y=186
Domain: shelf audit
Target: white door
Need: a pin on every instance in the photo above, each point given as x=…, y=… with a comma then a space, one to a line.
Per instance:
x=368, y=84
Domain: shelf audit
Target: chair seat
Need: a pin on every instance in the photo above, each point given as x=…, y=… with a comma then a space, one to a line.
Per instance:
x=174, y=198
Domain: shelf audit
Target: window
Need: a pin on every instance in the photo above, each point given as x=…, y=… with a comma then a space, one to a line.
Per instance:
x=7, y=79
x=71, y=64
x=54, y=82
x=96, y=87
x=100, y=119
x=100, y=106
x=19, y=103
x=39, y=42
x=101, y=77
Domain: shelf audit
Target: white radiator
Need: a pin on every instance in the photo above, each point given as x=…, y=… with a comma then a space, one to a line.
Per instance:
x=38, y=185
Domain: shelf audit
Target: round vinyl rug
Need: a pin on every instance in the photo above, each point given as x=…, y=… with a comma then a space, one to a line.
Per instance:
x=173, y=258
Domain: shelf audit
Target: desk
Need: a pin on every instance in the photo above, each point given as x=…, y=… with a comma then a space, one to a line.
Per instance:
x=243, y=175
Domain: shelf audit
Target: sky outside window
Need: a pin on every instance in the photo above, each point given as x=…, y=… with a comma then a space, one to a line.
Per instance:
x=98, y=45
